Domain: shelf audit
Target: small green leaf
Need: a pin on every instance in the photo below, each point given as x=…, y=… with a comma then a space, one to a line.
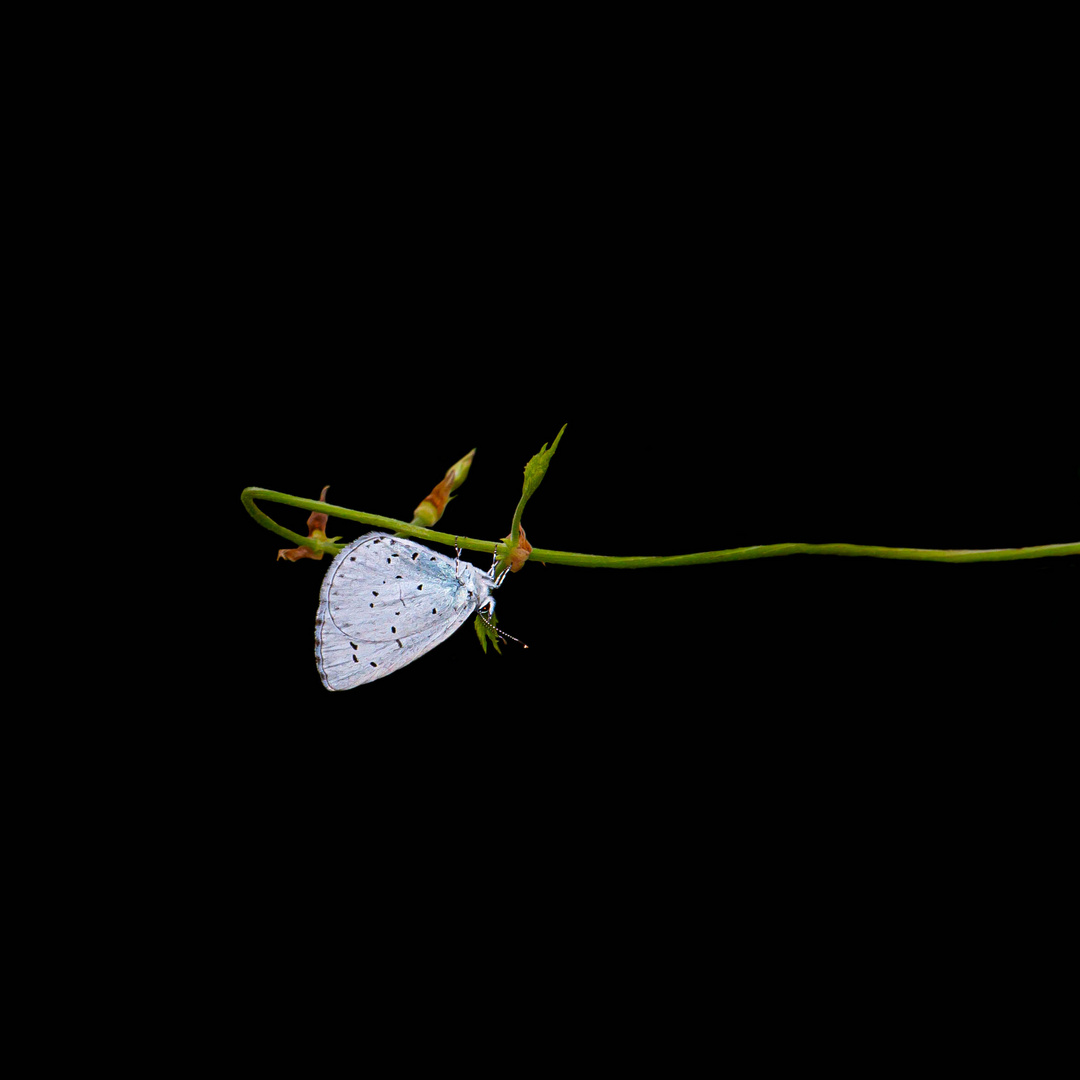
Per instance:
x=485, y=631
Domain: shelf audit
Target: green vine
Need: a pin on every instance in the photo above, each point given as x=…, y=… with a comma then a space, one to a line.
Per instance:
x=534, y=474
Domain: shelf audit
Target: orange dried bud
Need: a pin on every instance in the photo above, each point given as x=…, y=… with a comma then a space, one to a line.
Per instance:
x=292, y=554
x=434, y=506
x=316, y=524
x=520, y=555
x=317, y=519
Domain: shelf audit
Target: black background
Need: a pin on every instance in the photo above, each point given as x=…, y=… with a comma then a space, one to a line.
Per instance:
x=745, y=354
x=846, y=763
x=765, y=315
x=797, y=281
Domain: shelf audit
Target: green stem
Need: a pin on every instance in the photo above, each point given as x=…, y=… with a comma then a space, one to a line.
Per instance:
x=765, y=551
x=628, y=562
x=249, y=495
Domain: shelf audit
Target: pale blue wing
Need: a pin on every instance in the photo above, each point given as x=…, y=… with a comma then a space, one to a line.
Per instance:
x=384, y=602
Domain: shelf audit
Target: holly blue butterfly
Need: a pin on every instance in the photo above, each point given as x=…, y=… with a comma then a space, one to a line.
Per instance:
x=387, y=600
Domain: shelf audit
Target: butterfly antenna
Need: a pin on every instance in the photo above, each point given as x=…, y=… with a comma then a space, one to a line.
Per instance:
x=502, y=633
x=510, y=637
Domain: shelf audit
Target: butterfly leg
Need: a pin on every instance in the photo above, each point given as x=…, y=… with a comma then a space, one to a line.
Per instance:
x=494, y=563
